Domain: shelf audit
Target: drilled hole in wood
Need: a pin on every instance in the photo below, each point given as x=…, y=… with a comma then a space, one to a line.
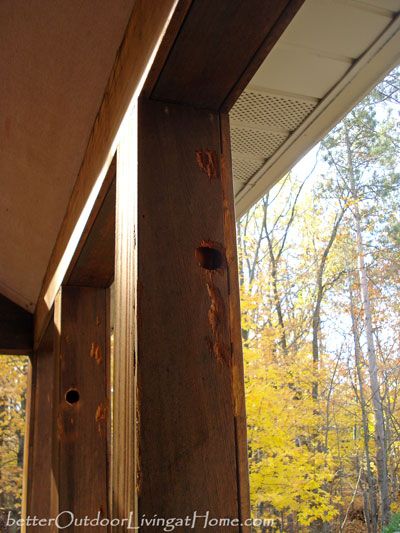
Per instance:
x=209, y=258
x=72, y=396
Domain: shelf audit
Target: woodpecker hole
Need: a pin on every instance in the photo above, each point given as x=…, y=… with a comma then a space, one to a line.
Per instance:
x=72, y=396
x=209, y=258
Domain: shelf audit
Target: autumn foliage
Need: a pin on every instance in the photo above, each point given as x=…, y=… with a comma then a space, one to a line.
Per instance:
x=320, y=258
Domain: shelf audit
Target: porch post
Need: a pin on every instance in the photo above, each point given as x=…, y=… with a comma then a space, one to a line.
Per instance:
x=176, y=283
x=79, y=458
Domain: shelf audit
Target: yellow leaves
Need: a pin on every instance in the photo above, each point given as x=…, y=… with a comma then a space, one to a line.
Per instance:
x=12, y=424
x=395, y=506
x=294, y=454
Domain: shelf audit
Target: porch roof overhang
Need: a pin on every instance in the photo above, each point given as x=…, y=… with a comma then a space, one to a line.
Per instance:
x=55, y=60
x=331, y=54
x=53, y=84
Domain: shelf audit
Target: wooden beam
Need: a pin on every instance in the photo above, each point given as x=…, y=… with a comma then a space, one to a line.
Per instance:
x=81, y=408
x=178, y=357
x=238, y=392
x=143, y=37
x=219, y=48
x=16, y=329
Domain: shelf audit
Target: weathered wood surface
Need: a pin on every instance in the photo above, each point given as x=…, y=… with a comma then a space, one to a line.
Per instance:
x=235, y=318
x=16, y=328
x=82, y=409
x=143, y=36
x=219, y=48
x=39, y=434
x=124, y=448
x=186, y=432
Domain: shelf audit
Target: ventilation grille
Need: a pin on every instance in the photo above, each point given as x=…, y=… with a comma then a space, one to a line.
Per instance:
x=271, y=110
x=243, y=169
x=261, y=123
x=258, y=143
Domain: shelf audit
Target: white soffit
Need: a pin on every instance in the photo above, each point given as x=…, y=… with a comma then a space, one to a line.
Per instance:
x=329, y=57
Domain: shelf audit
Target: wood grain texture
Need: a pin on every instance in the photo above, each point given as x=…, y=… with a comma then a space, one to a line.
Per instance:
x=16, y=328
x=219, y=48
x=180, y=12
x=143, y=35
x=271, y=38
x=39, y=437
x=28, y=441
x=186, y=435
x=235, y=320
x=81, y=427
x=124, y=445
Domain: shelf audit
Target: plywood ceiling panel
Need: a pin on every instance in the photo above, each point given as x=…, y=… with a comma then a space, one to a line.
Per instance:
x=55, y=59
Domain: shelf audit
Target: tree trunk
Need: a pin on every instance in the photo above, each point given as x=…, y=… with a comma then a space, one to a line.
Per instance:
x=373, y=507
x=380, y=438
x=316, y=317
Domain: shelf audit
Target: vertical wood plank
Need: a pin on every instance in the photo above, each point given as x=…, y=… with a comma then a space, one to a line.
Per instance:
x=82, y=403
x=144, y=35
x=186, y=399
x=28, y=440
x=235, y=320
x=39, y=441
x=124, y=447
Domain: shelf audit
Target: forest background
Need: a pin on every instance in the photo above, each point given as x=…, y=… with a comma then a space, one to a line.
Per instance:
x=319, y=261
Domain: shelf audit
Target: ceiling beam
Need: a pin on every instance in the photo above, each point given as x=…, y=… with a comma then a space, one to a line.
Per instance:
x=165, y=49
x=145, y=33
x=16, y=328
x=201, y=69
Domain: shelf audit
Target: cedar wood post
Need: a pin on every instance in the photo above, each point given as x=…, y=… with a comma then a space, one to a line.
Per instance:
x=177, y=289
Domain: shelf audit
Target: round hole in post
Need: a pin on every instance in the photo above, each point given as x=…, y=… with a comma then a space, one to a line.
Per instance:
x=209, y=257
x=72, y=396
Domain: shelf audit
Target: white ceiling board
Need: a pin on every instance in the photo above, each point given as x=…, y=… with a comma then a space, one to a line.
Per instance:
x=332, y=27
x=391, y=5
x=295, y=70
x=377, y=60
x=55, y=60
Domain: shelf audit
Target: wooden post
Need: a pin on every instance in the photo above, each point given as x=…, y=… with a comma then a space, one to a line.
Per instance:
x=37, y=463
x=180, y=310
x=81, y=405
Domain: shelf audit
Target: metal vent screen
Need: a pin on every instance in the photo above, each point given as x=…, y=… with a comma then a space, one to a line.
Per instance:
x=259, y=143
x=260, y=123
x=243, y=168
x=265, y=109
